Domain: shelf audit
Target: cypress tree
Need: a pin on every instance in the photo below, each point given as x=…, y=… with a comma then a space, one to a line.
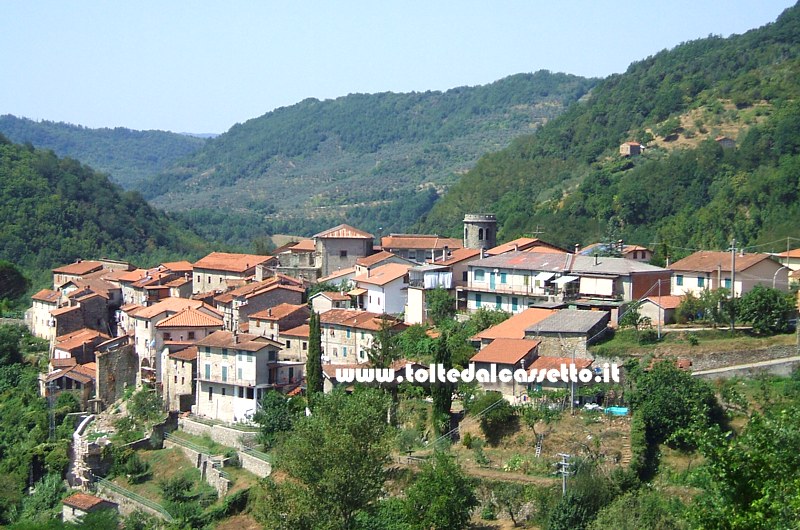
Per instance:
x=314, y=361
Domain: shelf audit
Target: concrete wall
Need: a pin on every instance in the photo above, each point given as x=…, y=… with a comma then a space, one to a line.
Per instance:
x=255, y=465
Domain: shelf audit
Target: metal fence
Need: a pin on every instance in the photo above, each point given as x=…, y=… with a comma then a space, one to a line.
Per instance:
x=186, y=443
x=258, y=454
x=116, y=488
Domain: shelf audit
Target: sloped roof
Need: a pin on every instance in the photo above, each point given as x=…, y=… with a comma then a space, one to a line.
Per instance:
x=83, y=501
x=79, y=338
x=611, y=266
x=383, y=274
x=335, y=296
x=62, y=310
x=505, y=351
x=354, y=318
x=335, y=275
x=343, y=231
x=300, y=331
x=46, y=295
x=711, y=261
x=240, y=341
x=229, y=262
x=419, y=241
x=79, y=268
x=794, y=253
x=304, y=245
x=666, y=301
x=570, y=321
x=458, y=255
x=280, y=311
x=190, y=317
x=524, y=243
x=186, y=354
x=178, y=266
x=515, y=326
x=251, y=290
x=368, y=261
x=171, y=304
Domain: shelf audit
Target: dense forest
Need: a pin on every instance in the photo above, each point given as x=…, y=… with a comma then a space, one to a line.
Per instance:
x=55, y=210
x=127, y=156
x=685, y=190
x=362, y=158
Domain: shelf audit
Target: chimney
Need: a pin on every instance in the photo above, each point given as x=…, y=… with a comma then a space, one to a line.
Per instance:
x=368, y=272
x=577, y=248
x=596, y=259
x=483, y=252
x=516, y=247
x=235, y=336
x=269, y=311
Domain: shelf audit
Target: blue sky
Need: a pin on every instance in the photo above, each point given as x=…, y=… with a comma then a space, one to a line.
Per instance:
x=201, y=66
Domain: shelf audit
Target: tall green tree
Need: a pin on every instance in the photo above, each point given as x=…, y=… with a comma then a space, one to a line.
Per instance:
x=442, y=392
x=442, y=497
x=314, y=383
x=274, y=418
x=338, y=455
x=441, y=305
x=766, y=309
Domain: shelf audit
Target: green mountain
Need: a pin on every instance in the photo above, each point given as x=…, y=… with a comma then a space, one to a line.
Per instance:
x=685, y=191
x=127, y=156
x=54, y=210
x=378, y=160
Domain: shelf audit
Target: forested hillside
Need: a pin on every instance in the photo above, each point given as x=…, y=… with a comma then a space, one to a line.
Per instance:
x=376, y=160
x=127, y=156
x=54, y=210
x=685, y=190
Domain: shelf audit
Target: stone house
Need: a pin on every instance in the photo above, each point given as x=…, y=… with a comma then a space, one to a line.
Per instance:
x=295, y=344
x=418, y=247
x=271, y=321
x=238, y=304
x=217, y=270
x=506, y=354
x=348, y=335
x=179, y=380
x=569, y=332
x=234, y=372
x=339, y=247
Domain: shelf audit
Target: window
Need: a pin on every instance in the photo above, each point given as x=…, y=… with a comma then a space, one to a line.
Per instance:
x=503, y=277
x=288, y=344
x=362, y=334
x=210, y=393
x=183, y=380
x=514, y=303
x=348, y=333
x=701, y=281
x=167, y=336
x=207, y=351
x=464, y=276
x=335, y=352
x=191, y=335
x=176, y=379
x=412, y=254
x=344, y=351
x=727, y=283
x=362, y=355
x=225, y=353
x=209, y=279
x=498, y=302
x=223, y=390
x=480, y=233
x=239, y=373
x=146, y=324
x=249, y=393
x=477, y=299
x=250, y=357
x=208, y=371
x=198, y=278
x=342, y=253
x=224, y=373
x=241, y=392
x=305, y=345
x=479, y=275
x=679, y=280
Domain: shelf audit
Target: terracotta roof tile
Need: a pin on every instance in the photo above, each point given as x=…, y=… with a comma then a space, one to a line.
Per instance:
x=336, y=275
x=419, y=241
x=343, y=231
x=223, y=261
x=709, y=261
x=280, y=311
x=304, y=245
x=190, y=317
x=79, y=268
x=186, y=354
x=83, y=501
x=251, y=290
x=368, y=261
x=242, y=341
x=63, y=310
x=521, y=243
x=335, y=296
x=172, y=305
x=356, y=319
x=383, y=274
x=300, y=331
x=46, y=295
x=458, y=255
x=505, y=351
x=666, y=301
x=794, y=253
x=178, y=266
x=514, y=327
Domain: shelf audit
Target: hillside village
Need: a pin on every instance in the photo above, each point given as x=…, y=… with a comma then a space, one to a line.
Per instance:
x=215, y=335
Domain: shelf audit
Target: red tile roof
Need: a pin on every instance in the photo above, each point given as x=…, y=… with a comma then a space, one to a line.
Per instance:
x=242, y=341
x=335, y=296
x=62, y=310
x=304, y=245
x=419, y=241
x=710, y=261
x=525, y=243
x=83, y=501
x=505, y=351
x=186, y=354
x=384, y=274
x=46, y=295
x=79, y=268
x=356, y=319
x=178, y=266
x=514, y=327
x=666, y=301
x=459, y=255
x=374, y=258
x=343, y=231
x=337, y=274
x=279, y=311
x=172, y=305
x=190, y=317
x=251, y=290
x=227, y=262
x=299, y=331
x=794, y=253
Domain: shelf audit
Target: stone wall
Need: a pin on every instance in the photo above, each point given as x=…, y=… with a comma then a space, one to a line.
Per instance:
x=254, y=465
x=125, y=504
x=116, y=369
x=220, y=434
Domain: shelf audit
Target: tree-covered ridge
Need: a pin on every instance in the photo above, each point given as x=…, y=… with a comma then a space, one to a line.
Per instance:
x=54, y=210
x=128, y=156
x=569, y=179
x=361, y=156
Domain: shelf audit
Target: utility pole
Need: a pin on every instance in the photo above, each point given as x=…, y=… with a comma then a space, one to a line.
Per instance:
x=733, y=284
x=563, y=469
x=660, y=309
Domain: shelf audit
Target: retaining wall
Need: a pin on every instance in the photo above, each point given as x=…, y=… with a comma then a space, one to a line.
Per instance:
x=219, y=433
